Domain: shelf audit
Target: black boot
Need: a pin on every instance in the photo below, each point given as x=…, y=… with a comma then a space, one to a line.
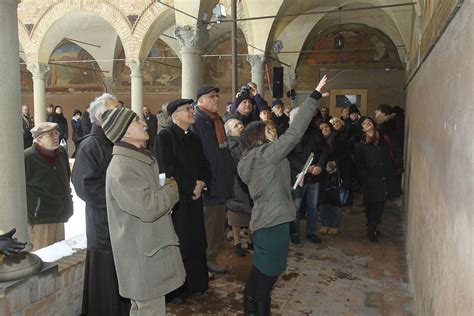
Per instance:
x=263, y=308
x=249, y=305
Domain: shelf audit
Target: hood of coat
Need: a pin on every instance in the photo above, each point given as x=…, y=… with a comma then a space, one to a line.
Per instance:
x=383, y=119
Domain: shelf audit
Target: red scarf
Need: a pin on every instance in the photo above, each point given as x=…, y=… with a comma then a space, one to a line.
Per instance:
x=50, y=156
x=218, y=125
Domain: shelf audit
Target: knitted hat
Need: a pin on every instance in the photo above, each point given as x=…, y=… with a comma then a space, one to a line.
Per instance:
x=277, y=102
x=42, y=128
x=115, y=122
x=353, y=109
x=240, y=98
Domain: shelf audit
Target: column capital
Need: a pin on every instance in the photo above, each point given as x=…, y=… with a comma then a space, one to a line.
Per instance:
x=136, y=67
x=38, y=70
x=191, y=38
x=257, y=62
x=108, y=84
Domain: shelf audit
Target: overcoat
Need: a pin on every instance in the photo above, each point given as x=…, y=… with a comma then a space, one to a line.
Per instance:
x=144, y=242
x=241, y=201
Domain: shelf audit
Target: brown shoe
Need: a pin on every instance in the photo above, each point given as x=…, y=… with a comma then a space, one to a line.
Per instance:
x=323, y=230
x=332, y=231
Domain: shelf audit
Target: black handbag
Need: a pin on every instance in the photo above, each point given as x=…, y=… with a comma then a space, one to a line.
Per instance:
x=336, y=194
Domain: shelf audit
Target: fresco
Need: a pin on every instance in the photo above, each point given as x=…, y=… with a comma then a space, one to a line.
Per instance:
x=162, y=72
x=363, y=49
x=218, y=69
x=66, y=75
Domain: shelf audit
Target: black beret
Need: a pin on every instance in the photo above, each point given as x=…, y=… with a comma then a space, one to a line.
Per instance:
x=205, y=90
x=173, y=105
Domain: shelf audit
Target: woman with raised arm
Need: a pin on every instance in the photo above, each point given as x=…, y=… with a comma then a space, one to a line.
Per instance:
x=266, y=171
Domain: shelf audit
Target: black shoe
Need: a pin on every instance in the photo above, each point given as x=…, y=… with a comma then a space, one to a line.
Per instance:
x=214, y=267
x=295, y=240
x=239, y=252
x=178, y=300
x=249, y=305
x=373, y=237
x=313, y=238
x=263, y=308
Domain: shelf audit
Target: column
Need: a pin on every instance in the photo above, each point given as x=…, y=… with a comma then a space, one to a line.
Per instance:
x=191, y=40
x=12, y=181
x=39, y=72
x=289, y=79
x=257, y=63
x=136, y=76
x=108, y=84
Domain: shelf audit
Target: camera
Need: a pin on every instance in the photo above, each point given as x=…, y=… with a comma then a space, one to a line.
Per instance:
x=245, y=89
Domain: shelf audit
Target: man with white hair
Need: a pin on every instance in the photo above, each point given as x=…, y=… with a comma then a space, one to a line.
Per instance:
x=48, y=192
x=93, y=155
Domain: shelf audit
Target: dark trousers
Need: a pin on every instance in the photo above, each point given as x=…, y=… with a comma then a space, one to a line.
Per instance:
x=259, y=285
x=373, y=212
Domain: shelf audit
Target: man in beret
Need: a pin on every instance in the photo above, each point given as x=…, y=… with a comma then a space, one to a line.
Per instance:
x=139, y=206
x=210, y=128
x=180, y=155
x=49, y=200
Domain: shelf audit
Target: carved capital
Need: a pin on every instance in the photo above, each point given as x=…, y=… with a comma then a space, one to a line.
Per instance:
x=136, y=67
x=191, y=38
x=257, y=62
x=38, y=70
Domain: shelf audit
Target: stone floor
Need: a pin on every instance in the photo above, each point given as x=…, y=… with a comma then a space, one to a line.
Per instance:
x=344, y=275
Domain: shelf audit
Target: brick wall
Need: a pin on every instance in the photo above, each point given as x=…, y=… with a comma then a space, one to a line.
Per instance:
x=55, y=290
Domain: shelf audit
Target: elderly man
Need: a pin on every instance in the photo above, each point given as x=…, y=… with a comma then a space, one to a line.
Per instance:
x=48, y=192
x=93, y=155
x=27, y=126
x=174, y=146
x=210, y=128
x=144, y=242
x=244, y=112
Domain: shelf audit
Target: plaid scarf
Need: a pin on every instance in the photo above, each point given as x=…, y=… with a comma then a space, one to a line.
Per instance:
x=218, y=126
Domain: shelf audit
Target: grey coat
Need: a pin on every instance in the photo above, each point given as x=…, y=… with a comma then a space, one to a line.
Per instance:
x=266, y=171
x=144, y=243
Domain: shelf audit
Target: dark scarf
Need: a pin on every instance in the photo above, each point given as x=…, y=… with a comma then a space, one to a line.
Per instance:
x=218, y=125
x=49, y=155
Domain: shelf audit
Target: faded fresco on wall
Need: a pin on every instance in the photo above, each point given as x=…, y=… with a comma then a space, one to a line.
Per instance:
x=218, y=66
x=161, y=74
x=362, y=49
x=26, y=78
x=67, y=75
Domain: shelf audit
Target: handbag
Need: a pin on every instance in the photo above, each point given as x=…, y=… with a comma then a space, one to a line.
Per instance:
x=336, y=194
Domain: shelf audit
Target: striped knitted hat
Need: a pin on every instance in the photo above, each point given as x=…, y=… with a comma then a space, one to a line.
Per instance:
x=115, y=122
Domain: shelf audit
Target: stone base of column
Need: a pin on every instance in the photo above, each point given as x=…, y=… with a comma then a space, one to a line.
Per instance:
x=19, y=266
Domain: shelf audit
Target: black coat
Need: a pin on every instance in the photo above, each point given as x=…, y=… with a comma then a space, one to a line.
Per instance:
x=93, y=156
x=241, y=201
x=86, y=124
x=62, y=125
x=180, y=156
x=76, y=130
x=220, y=187
x=376, y=171
x=27, y=126
x=152, y=128
x=282, y=122
x=311, y=142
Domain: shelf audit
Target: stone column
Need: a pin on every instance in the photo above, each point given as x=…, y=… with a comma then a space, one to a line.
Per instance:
x=108, y=84
x=136, y=74
x=191, y=40
x=289, y=79
x=258, y=71
x=12, y=181
x=39, y=72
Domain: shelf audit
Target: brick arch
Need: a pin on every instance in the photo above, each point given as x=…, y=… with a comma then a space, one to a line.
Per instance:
x=153, y=21
x=56, y=12
x=23, y=38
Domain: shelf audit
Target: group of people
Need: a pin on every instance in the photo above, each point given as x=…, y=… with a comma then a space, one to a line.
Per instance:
x=158, y=199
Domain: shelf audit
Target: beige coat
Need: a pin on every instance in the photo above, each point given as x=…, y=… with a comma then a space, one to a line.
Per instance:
x=144, y=243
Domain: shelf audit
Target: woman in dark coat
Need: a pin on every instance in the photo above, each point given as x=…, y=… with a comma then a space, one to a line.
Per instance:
x=76, y=127
x=376, y=171
x=179, y=154
x=58, y=117
x=239, y=207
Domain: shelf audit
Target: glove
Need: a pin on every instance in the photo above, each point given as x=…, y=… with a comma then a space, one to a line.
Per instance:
x=8, y=245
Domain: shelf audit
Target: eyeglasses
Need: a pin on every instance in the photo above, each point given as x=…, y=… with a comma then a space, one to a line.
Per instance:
x=189, y=108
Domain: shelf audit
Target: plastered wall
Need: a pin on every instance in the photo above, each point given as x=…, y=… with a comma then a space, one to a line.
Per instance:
x=439, y=179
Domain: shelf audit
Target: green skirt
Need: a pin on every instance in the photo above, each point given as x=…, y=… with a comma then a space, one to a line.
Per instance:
x=271, y=249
